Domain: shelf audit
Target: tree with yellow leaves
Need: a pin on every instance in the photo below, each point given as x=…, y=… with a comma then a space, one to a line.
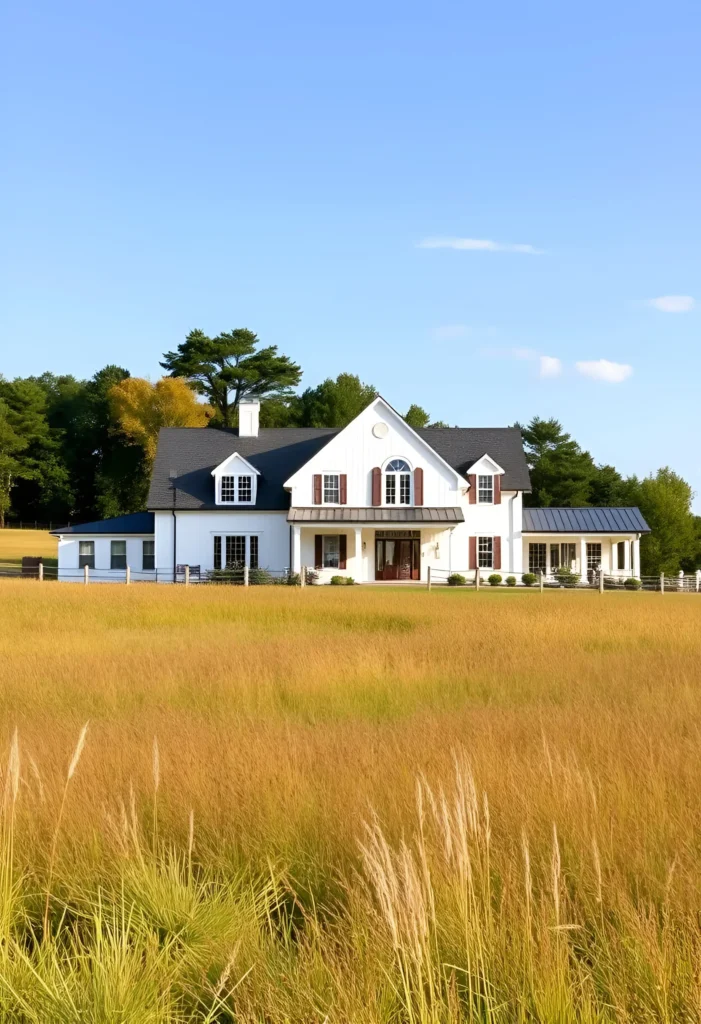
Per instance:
x=141, y=408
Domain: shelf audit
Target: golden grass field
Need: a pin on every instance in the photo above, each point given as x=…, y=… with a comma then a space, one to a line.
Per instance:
x=356, y=805
x=15, y=544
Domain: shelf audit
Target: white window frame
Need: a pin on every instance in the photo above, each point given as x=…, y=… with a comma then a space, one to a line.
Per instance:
x=487, y=553
x=222, y=548
x=395, y=476
x=144, y=542
x=485, y=488
x=90, y=557
x=330, y=537
x=236, y=489
x=118, y=568
x=330, y=476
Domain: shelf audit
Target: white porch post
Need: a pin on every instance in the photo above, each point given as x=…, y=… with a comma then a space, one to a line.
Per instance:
x=626, y=557
x=636, y=557
x=583, y=557
x=360, y=575
x=296, y=548
x=548, y=566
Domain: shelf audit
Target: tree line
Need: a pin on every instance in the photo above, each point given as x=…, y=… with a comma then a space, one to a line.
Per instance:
x=74, y=450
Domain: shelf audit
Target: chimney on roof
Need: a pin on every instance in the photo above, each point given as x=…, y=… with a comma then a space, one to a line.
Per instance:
x=249, y=415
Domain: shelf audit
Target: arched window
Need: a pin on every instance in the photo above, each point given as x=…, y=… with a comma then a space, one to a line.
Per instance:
x=397, y=483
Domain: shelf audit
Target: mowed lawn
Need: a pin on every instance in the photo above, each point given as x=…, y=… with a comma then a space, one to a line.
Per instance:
x=16, y=544
x=359, y=805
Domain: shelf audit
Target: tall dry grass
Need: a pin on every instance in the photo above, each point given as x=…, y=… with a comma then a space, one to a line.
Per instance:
x=363, y=806
x=15, y=544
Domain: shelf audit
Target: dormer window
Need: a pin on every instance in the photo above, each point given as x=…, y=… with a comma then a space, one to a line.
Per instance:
x=235, y=481
x=485, y=490
x=238, y=490
x=398, y=482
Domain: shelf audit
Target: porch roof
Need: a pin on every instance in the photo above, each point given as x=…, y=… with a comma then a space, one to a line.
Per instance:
x=345, y=514
x=584, y=520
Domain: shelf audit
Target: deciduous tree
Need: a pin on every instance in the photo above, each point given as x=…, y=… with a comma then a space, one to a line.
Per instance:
x=140, y=408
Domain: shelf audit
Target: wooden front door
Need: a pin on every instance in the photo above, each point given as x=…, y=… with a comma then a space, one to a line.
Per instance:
x=397, y=558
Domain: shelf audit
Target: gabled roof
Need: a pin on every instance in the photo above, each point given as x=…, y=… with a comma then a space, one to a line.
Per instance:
x=193, y=452
x=278, y=452
x=235, y=455
x=134, y=522
x=584, y=520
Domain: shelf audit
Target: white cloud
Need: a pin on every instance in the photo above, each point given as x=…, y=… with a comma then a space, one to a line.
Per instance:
x=603, y=369
x=478, y=245
x=550, y=366
x=673, y=303
x=448, y=332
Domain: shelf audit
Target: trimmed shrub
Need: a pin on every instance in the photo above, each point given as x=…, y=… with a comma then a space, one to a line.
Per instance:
x=529, y=579
x=494, y=580
x=456, y=580
x=338, y=581
x=510, y=581
x=632, y=584
x=350, y=582
x=566, y=577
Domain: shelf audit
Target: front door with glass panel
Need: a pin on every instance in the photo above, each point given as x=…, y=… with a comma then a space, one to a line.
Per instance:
x=397, y=555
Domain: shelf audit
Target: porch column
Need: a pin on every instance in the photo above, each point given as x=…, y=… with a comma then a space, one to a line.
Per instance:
x=583, y=557
x=626, y=557
x=636, y=557
x=360, y=575
x=296, y=548
x=548, y=566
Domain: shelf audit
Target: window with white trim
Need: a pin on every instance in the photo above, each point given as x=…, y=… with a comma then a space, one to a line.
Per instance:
x=485, y=552
x=236, y=489
x=118, y=554
x=332, y=489
x=86, y=554
x=398, y=482
x=485, y=489
x=537, y=558
x=331, y=550
x=148, y=555
x=233, y=551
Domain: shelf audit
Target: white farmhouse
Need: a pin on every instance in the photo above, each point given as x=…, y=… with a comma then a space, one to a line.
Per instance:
x=375, y=500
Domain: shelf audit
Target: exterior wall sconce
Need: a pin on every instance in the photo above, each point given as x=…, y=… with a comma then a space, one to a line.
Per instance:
x=438, y=551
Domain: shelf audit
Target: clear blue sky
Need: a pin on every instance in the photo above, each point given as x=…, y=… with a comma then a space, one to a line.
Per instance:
x=329, y=175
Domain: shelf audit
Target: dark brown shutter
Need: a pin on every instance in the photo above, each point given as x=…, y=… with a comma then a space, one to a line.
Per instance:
x=496, y=553
x=472, y=493
x=473, y=553
x=377, y=486
x=418, y=486
x=343, y=488
x=317, y=489
x=497, y=490
x=342, y=551
x=318, y=553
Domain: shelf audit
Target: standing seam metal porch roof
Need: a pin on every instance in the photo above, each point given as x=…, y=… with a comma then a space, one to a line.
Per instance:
x=324, y=514
x=584, y=520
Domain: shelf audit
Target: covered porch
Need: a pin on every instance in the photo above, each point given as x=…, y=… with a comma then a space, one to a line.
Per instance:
x=372, y=545
x=586, y=541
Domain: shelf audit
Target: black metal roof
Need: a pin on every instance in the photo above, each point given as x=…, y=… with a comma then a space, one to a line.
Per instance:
x=322, y=514
x=277, y=453
x=134, y=522
x=584, y=520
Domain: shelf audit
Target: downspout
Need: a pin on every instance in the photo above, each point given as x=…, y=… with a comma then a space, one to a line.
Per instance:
x=175, y=534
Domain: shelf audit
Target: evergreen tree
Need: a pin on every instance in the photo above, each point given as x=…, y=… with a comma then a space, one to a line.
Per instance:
x=334, y=403
x=561, y=473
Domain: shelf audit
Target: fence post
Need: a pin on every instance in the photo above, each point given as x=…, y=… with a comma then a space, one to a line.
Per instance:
x=86, y=574
x=128, y=575
x=41, y=572
x=662, y=583
x=601, y=581
x=302, y=575
x=477, y=578
x=245, y=575
x=540, y=575
x=187, y=575
x=428, y=577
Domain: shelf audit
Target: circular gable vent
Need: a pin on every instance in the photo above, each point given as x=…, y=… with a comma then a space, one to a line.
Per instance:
x=380, y=429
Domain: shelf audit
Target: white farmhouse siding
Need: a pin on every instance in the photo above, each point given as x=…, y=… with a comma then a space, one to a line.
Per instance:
x=195, y=533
